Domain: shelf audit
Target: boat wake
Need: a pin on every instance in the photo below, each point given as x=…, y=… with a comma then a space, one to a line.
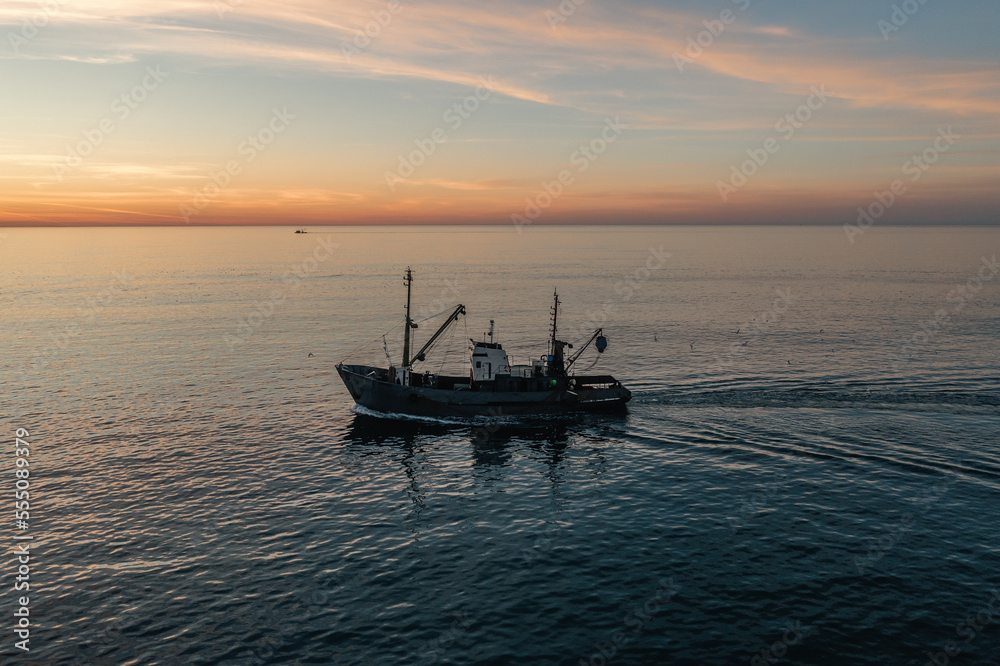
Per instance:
x=365, y=411
x=442, y=420
x=983, y=402
x=500, y=420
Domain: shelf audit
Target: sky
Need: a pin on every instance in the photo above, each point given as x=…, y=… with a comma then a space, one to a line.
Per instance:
x=427, y=112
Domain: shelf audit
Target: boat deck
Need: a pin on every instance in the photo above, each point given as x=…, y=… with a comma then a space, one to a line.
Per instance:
x=502, y=383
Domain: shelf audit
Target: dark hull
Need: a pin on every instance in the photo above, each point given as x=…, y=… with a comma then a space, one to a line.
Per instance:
x=369, y=391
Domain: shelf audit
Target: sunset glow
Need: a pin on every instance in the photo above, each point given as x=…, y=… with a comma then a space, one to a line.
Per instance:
x=244, y=112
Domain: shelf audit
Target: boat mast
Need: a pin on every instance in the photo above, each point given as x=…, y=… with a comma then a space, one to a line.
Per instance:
x=555, y=317
x=556, y=346
x=408, y=280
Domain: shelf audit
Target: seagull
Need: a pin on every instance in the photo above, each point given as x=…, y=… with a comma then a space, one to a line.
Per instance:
x=692, y=345
x=310, y=354
x=789, y=363
x=738, y=330
x=746, y=343
x=654, y=338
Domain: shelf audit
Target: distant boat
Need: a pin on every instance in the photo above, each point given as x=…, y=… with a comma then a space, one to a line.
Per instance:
x=493, y=387
x=301, y=231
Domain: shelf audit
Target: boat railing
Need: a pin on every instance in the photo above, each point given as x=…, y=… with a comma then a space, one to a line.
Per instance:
x=597, y=382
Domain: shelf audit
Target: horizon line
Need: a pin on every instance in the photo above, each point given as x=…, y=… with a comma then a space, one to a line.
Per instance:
x=55, y=225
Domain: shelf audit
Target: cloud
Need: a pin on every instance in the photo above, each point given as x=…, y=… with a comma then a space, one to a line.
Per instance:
x=555, y=84
x=457, y=44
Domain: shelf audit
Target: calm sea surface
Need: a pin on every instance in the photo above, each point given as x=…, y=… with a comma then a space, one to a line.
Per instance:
x=809, y=469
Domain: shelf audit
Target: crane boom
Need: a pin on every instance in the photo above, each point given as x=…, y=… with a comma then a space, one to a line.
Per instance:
x=455, y=314
x=572, y=359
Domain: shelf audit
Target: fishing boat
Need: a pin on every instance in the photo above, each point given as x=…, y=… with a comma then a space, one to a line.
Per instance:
x=493, y=386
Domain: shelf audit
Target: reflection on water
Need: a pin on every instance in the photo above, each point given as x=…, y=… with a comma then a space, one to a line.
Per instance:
x=490, y=442
x=207, y=503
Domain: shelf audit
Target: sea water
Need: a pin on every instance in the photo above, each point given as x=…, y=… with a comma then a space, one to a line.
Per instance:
x=808, y=470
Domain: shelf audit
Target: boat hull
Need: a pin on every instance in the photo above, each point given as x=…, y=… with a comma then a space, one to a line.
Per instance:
x=373, y=393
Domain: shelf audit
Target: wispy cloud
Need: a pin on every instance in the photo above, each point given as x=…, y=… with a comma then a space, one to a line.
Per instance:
x=553, y=85
x=456, y=44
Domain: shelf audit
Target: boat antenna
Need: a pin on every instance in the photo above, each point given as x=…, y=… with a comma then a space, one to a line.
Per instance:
x=408, y=281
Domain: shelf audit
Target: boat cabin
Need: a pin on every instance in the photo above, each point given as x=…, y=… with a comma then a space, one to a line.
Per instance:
x=488, y=360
